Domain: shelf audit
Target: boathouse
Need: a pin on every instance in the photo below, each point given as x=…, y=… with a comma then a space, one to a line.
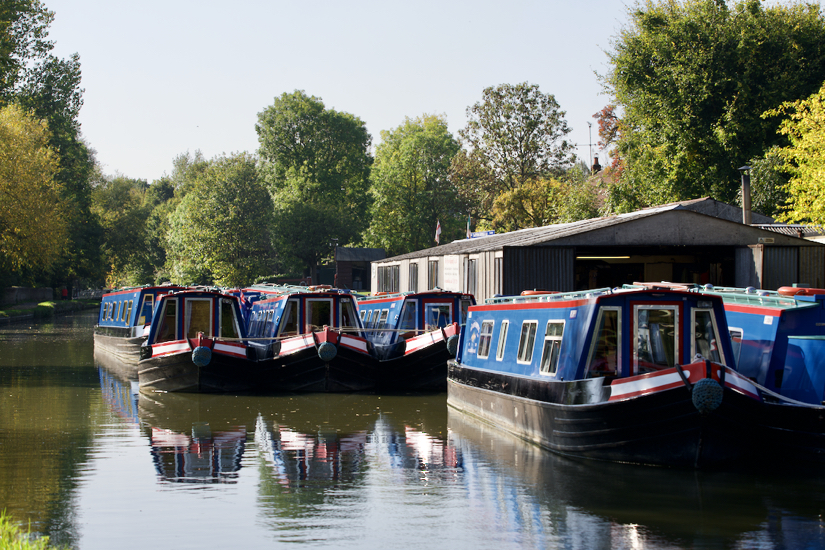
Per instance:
x=699, y=241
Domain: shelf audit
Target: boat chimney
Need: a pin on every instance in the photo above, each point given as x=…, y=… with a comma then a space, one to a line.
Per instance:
x=746, y=194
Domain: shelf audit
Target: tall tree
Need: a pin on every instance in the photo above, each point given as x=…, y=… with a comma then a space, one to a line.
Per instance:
x=50, y=88
x=221, y=230
x=410, y=187
x=316, y=162
x=32, y=220
x=691, y=79
x=514, y=137
x=804, y=157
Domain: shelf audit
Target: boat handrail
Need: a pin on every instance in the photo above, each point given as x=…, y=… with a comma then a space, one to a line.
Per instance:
x=557, y=297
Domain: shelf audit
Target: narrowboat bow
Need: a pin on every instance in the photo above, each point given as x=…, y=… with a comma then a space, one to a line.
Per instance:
x=625, y=375
x=197, y=344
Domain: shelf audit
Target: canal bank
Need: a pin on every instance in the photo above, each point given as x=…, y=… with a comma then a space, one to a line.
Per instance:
x=23, y=312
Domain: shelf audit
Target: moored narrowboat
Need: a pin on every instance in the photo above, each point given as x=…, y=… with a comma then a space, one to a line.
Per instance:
x=413, y=335
x=639, y=375
x=196, y=343
x=308, y=339
x=778, y=336
x=124, y=320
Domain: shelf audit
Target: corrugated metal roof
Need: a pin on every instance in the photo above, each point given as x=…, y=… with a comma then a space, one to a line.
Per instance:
x=533, y=236
x=345, y=254
x=794, y=230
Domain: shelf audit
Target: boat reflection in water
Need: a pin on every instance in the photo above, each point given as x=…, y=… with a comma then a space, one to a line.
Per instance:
x=192, y=438
x=333, y=438
x=543, y=499
x=119, y=390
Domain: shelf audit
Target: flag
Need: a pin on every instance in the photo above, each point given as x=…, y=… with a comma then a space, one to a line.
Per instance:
x=438, y=232
x=468, y=227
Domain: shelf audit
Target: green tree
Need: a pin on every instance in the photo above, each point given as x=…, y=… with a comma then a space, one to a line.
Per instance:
x=316, y=162
x=119, y=204
x=514, y=137
x=50, y=88
x=804, y=157
x=691, y=79
x=410, y=187
x=32, y=219
x=220, y=231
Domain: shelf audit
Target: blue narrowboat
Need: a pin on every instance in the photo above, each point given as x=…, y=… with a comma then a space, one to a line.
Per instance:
x=124, y=319
x=308, y=339
x=778, y=337
x=642, y=375
x=197, y=343
x=413, y=335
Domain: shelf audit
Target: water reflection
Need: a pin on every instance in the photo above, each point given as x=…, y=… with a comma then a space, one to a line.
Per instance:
x=538, y=496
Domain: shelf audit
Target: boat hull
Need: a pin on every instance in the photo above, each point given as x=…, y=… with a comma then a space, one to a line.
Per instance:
x=662, y=428
x=125, y=348
x=305, y=371
x=177, y=373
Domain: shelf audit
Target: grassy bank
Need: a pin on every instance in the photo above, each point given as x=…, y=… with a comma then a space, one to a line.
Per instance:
x=45, y=309
x=13, y=537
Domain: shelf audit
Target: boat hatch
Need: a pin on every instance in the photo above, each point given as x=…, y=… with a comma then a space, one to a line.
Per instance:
x=437, y=315
x=319, y=314
x=656, y=341
x=198, y=317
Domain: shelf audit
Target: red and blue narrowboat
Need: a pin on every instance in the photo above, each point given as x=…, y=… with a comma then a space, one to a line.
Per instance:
x=413, y=335
x=197, y=343
x=124, y=319
x=636, y=375
x=308, y=339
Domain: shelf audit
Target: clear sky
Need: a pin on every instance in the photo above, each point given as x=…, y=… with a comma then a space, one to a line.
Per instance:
x=165, y=77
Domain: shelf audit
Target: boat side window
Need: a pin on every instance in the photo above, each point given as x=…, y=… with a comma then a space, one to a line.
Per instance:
x=348, y=316
x=465, y=308
x=229, y=325
x=128, y=315
x=268, y=323
x=604, y=349
x=553, y=334
x=656, y=341
x=736, y=337
x=527, y=341
x=408, y=324
x=363, y=314
x=168, y=324
x=502, y=339
x=705, y=335
x=289, y=321
x=198, y=317
x=484, y=339
x=146, y=310
x=117, y=311
x=368, y=322
x=319, y=313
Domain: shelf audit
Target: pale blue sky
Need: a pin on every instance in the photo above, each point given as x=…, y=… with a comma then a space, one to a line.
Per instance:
x=165, y=77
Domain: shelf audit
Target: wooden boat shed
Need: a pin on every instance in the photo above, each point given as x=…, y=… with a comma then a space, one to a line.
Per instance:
x=699, y=241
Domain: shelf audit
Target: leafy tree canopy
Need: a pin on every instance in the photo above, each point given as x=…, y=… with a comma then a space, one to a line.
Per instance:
x=804, y=157
x=221, y=230
x=410, y=187
x=514, y=137
x=691, y=79
x=316, y=162
x=32, y=219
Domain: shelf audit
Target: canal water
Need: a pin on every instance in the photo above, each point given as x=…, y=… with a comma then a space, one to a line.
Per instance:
x=88, y=461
